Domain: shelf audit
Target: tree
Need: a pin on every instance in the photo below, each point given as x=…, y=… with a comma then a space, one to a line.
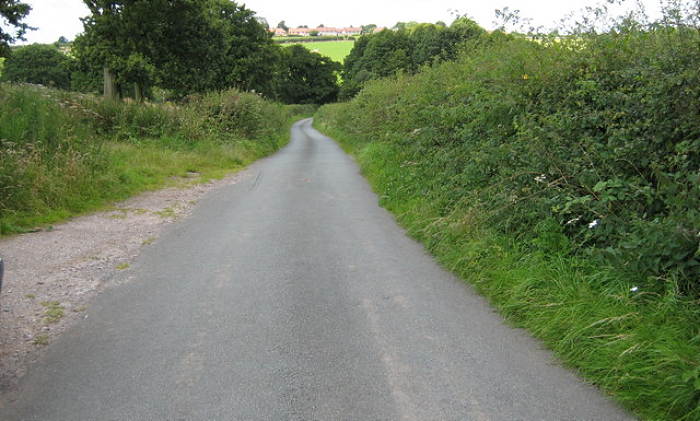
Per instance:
x=406, y=50
x=107, y=45
x=184, y=46
x=263, y=22
x=248, y=59
x=12, y=12
x=368, y=29
x=40, y=64
x=307, y=78
x=283, y=25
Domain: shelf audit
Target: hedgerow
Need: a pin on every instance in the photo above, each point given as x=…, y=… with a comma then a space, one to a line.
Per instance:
x=561, y=176
x=597, y=136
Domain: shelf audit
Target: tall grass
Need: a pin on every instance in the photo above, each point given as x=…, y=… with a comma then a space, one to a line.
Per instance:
x=64, y=153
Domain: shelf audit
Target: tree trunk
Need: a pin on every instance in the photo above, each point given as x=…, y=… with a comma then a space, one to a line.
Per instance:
x=111, y=89
x=138, y=92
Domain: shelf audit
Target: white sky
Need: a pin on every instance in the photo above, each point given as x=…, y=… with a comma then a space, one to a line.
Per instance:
x=56, y=18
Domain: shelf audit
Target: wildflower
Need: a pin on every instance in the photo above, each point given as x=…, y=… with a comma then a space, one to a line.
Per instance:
x=573, y=221
x=526, y=76
x=541, y=178
x=593, y=224
x=634, y=289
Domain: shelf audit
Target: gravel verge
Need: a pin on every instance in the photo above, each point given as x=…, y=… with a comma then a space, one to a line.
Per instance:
x=52, y=275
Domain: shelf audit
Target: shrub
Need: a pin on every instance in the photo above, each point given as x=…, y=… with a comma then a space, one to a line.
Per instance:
x=39, y=64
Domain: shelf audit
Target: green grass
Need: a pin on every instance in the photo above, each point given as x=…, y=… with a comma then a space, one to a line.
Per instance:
x=54, y=311
x=63, y=154
x=336, y=50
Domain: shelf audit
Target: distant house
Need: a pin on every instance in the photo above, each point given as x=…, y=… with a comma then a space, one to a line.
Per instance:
x=349, y=32
x=300, y=32
x=333, y=32
x=325, y=31
x=278, y=32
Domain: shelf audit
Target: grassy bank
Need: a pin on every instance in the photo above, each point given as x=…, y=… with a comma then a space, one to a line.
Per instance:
x=560, y=179
x=64, y=153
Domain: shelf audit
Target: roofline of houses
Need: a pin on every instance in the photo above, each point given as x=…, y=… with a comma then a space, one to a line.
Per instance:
x=325, y=31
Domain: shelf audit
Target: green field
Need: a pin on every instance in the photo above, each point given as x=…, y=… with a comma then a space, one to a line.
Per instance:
x=337, y=50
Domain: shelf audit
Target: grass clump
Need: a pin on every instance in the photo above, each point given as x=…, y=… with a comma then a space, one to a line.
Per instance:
x=41, y=340
x=54, y=311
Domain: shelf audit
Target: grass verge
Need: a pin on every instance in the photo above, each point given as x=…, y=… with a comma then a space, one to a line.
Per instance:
x=63, y=154
x=640, y=347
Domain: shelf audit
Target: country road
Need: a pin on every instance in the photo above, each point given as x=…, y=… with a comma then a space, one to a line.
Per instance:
x=292, y=296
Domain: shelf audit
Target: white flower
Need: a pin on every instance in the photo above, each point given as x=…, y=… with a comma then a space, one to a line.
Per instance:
x=634, y=289
x=573, y=221
x=541, y=178
x=593, y=224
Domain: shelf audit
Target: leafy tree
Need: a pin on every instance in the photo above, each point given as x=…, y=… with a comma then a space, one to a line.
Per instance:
x=184, y=46
x=307, y=78
x=263, y=22
x=428, y=43
x=12, y=12
x=376, y=56
x=248, y=58
x=407, y=50
x=109, y=41
x=368, y=29
x=40, y=64
x=283, y=25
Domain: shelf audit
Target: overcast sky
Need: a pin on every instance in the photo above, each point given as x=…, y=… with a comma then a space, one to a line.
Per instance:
x=56, y=18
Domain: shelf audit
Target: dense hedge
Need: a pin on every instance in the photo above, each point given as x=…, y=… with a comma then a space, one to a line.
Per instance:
x=589, y=142
x=561, y=178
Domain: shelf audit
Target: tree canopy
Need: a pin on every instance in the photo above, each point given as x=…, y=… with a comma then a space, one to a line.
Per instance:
x=407, y=49
x=307, y=77
x=184, y=46
x=12, y=12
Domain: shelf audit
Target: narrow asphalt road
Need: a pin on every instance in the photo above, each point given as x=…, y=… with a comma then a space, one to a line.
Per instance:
x=292, y=296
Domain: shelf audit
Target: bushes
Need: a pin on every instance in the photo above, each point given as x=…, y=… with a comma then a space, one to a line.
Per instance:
x=560, y=177
x=41, y=64
x=599, y=135
x=62, y=153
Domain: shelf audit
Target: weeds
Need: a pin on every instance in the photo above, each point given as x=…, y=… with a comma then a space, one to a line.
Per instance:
x=54, y=311
x=66, y=153
x=41, y=340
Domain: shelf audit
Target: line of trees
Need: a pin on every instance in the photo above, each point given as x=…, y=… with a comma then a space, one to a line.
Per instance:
x=182, y=47
x=405, y=49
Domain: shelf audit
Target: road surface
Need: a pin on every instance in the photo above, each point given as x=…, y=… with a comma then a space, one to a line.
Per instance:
x=292, y=296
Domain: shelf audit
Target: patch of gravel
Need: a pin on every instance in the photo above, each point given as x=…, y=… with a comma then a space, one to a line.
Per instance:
x=57, y=272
